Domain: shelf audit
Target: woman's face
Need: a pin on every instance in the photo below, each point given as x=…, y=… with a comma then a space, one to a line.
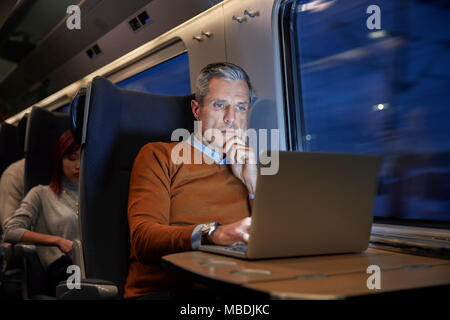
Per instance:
x=71, y=166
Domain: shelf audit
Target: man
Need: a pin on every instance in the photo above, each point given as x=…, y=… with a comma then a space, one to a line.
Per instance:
x=173, y=206
x=11, y=189
x=12, y=181
x=11, y=195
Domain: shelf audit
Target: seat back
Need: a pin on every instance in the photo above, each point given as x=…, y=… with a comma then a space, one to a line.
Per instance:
x=77, y=114
x=38, y=134
x=10, y=150
x=43, y=131
x=117, y=123
x=21, y=133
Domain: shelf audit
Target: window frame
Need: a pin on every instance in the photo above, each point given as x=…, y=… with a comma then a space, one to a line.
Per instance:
x=291, y=79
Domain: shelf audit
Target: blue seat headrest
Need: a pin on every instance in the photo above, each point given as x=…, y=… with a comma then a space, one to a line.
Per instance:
x=44, y=129
x=77, y=114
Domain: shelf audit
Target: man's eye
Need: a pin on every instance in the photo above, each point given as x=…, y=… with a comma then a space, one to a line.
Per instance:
x=241, y=108
x=218, y=105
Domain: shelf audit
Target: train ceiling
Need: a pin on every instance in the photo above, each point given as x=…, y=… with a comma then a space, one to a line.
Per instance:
x=35, y=41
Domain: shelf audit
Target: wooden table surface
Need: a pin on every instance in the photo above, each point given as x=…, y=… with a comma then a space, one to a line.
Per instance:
x=317, y=277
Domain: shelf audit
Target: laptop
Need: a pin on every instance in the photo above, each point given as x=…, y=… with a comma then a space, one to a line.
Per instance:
x=317, y=203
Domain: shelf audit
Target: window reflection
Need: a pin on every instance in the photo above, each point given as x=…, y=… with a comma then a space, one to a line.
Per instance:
x=170, y=77
x=381, y=91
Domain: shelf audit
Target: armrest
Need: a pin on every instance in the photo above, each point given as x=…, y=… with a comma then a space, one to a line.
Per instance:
x=91, y=289
x=24, y=249
x=27, y=254
x=77, y=257
x=12, y=255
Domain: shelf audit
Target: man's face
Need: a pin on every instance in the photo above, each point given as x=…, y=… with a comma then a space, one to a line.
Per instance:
x=224, y=108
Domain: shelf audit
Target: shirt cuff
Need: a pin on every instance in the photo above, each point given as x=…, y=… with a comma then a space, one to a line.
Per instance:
x=196, y=237
x=251, y=196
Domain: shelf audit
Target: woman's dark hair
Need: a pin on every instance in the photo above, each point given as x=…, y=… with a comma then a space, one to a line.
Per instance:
x=64, y=147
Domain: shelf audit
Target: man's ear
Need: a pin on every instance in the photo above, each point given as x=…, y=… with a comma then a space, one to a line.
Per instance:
x=195, y=106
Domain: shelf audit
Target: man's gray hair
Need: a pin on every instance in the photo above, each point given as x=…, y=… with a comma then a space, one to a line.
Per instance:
x=223, y=70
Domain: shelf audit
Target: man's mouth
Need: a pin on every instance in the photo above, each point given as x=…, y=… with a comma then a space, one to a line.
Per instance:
x=228, y=131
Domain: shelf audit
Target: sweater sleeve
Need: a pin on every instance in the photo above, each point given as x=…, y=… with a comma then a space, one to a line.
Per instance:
x=24, y=217
x=11, y=190
x=151, y=235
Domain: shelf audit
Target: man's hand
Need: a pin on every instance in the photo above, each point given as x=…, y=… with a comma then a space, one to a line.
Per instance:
x=242, y=160
x=228, y=234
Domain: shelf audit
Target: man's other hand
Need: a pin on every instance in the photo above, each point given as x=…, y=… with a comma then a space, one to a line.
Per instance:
x=242, y=159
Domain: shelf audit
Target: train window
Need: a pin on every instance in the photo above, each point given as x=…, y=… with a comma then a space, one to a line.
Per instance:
x=351, y=87
x=169, y=77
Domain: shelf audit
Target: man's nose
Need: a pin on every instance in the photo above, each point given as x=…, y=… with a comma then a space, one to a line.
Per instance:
x=228, y=117
x=77, y=164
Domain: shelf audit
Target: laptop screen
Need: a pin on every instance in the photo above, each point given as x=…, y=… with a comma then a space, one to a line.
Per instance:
x=376, y=79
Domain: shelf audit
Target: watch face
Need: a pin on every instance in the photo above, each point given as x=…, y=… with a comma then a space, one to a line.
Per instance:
x=207, y=227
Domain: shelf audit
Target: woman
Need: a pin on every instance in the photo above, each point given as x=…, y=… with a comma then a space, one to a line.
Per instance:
x=48, y=215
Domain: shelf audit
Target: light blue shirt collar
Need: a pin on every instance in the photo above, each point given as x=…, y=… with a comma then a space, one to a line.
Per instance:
x=72, y=186
x=197, y=144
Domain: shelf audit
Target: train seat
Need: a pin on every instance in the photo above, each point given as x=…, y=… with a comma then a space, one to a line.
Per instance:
x=43, y=130
x=77, y=114
x=10, y=149
x=116, y=124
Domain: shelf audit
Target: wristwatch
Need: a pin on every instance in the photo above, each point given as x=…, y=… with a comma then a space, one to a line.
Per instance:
x=207, y=231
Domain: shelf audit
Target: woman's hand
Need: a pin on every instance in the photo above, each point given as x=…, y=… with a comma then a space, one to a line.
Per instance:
x=65, y=246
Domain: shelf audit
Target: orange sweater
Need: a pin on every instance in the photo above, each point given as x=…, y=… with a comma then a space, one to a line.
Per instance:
x=166, y=201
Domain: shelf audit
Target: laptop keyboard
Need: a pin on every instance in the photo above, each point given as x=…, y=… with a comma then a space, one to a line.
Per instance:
x=238, y=246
